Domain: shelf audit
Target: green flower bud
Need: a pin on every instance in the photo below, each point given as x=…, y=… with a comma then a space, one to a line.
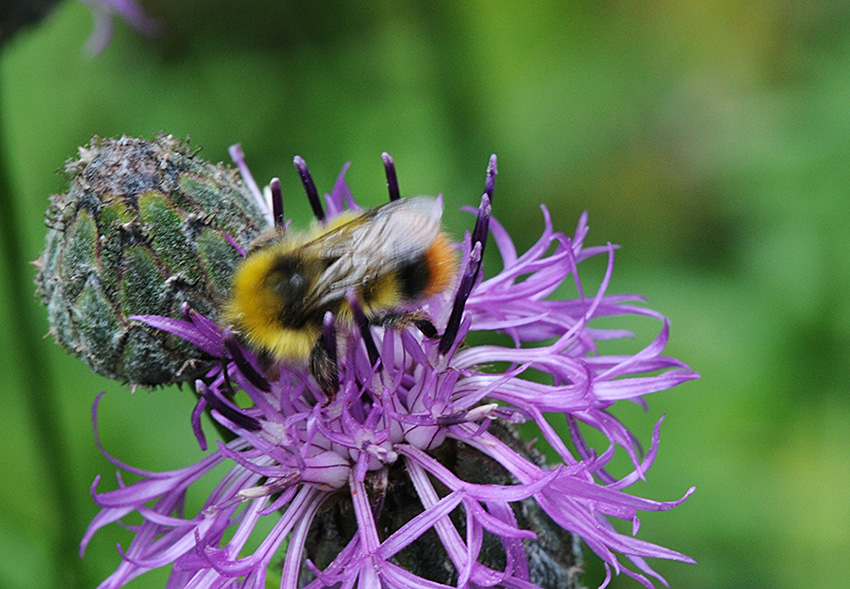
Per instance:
x=143, y=228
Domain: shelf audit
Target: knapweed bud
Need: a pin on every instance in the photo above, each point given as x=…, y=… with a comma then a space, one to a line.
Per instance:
x=144, y=227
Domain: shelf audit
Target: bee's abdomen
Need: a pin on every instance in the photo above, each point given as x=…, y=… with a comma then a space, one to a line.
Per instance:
x=413, y=278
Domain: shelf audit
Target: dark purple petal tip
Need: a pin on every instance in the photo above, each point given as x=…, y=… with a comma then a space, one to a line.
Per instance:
x=364, y=327
x=490, y=183
x=392, y=177
x=277, y=202
x=234, y=349
x=309, y=187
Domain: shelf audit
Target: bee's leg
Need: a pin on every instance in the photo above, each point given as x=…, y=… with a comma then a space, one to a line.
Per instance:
x=269, y=366
x=323, y=359
x=426, y=327
x=401, y=320
x=324, y=367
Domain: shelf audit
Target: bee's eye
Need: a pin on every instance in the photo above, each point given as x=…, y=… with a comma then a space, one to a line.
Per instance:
x=288, y=281
x=290, y=287
x=296, y=282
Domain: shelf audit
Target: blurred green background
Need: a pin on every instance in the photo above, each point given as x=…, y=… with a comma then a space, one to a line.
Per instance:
x=711, y=140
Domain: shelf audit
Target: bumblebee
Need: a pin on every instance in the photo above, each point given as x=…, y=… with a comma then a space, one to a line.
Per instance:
x=391, y=257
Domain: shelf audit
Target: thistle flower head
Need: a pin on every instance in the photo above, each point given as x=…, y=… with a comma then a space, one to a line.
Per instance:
x=409, y=473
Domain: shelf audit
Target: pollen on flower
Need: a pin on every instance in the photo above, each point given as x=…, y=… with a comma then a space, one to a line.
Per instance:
x=394, y=460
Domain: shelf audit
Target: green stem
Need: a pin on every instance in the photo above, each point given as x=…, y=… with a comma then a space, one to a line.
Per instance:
x=39, y=392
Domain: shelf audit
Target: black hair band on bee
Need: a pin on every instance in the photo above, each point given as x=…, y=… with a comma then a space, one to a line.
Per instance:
x=392, y=177
x=277, y=202
x=309, y=187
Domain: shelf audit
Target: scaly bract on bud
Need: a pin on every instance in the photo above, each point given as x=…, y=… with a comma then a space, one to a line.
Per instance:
x=144, y=227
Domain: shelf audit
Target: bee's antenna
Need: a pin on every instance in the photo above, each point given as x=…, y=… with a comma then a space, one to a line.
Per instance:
x=309, y=187
x=277, y=202
x=392, y=178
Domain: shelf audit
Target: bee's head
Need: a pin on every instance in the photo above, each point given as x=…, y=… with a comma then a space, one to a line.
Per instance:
x=290, y=280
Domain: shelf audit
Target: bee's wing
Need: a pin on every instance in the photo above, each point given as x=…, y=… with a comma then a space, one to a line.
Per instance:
x=375, y=244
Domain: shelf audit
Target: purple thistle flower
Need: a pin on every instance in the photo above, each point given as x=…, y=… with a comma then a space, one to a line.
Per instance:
x=17, y=14
x=104, y=10
x=298, y=456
